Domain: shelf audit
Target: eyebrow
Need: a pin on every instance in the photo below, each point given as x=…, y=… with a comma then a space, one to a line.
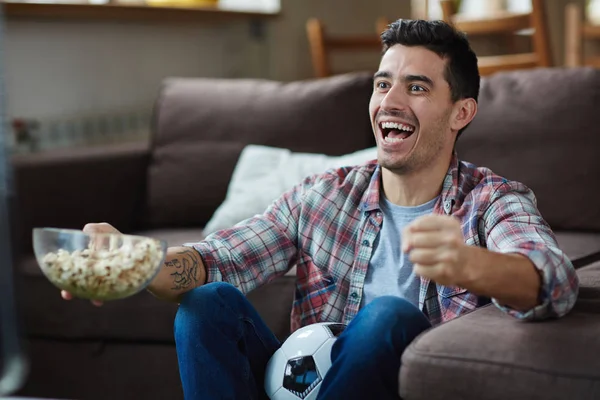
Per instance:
x=405, y=78
x=418, y=78
x=382, y=74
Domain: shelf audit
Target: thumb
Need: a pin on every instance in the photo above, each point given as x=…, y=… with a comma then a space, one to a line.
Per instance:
x=101, y=227
x=95, y=231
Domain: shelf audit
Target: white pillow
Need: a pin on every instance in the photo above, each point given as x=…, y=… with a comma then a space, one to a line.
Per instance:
x=262, y=174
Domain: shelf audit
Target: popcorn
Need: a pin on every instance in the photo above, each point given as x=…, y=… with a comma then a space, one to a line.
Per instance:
x=104, y=273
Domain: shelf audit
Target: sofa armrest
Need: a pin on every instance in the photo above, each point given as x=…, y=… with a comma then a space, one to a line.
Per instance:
x=69, y=188
x=489, y=355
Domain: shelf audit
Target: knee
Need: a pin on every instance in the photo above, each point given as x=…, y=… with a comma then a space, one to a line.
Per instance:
x=206, y=308
x=204, y=300
x=381, y=331
x=391, y=310
x=392, y=315
x=208, y=294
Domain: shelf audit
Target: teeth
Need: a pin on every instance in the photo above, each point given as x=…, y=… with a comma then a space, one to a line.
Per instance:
x=396, y=125
x=393, y=140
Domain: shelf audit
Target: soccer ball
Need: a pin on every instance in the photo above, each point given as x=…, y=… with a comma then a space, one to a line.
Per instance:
x=297, y=368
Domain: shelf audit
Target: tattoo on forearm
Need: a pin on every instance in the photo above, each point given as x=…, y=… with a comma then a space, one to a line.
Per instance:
x=185, y=266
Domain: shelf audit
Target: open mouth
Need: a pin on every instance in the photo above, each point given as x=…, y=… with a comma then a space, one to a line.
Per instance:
x=395, y=132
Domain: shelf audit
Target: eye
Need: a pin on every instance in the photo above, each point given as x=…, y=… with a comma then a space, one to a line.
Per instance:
x=416, y=88
x=382, y=85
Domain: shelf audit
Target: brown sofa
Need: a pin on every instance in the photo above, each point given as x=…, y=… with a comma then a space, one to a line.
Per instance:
x=539, y=127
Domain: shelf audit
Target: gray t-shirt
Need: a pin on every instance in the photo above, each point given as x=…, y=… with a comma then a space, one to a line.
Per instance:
x=390, y=272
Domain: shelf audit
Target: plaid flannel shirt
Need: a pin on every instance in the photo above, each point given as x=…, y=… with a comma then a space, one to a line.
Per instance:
x=326, y=226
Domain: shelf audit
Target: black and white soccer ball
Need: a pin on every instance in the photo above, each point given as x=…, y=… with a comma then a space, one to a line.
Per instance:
x=297, y=368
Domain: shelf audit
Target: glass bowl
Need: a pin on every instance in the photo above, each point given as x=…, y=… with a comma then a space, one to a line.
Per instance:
x=98, y=266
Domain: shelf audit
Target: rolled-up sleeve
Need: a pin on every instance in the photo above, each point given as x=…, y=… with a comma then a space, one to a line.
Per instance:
x=256, y=250
x=513, y=224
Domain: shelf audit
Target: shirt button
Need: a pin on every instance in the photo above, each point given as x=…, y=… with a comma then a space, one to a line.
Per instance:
x=354, y=295
x=365, y=242
x=447, y=206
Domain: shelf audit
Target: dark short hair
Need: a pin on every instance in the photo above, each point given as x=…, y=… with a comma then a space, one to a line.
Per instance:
x=443, y=39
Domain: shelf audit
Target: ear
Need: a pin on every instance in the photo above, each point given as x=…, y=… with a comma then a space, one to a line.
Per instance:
x=464, y=112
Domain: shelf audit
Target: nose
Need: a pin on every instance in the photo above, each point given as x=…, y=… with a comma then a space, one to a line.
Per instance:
x=394, y=99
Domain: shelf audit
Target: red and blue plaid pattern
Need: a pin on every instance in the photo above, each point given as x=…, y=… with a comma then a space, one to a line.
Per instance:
x=327, y=225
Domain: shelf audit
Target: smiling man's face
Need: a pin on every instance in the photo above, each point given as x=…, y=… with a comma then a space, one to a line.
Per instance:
x=411, y=109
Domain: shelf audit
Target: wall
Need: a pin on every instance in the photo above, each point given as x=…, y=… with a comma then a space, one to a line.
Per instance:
x=56, y=68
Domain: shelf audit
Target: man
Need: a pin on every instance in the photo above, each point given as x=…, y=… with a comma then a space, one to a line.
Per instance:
x=390, y=247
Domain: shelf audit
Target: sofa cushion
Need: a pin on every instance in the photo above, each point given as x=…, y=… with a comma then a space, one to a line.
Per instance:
x=202, y=125
x=264, y=173
x=589, y=289
x=540, y=127
x=578, y=245
x=489, y=355
x=174, y=237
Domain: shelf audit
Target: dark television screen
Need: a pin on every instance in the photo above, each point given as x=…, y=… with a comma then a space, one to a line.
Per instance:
x=12, y=360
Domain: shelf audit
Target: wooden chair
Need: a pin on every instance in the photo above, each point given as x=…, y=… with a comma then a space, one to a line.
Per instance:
x=322, y=45
x=577, y=32
x=507, y=24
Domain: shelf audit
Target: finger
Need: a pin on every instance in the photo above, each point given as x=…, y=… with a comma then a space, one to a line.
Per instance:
x=427, y=239
x=444, y=259
x=429, y=272
x=433, y=222
x=100, y=227
x=91, y=228
x=95, y=231
x=425, y=257
x=66, y=295
x=448, y=239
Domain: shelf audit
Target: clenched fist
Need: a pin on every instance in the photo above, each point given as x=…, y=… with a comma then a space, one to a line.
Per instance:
x=436, y=247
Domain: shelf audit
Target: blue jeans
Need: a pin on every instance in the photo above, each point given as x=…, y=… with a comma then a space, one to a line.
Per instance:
x=223, y=347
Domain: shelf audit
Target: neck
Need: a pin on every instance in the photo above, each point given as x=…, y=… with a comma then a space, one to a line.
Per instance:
x=415, y=187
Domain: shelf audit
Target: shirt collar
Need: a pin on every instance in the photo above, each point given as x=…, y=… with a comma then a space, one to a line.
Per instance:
x=370, y=198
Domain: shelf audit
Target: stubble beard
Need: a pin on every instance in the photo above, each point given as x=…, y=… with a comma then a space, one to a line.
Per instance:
x=422, y=155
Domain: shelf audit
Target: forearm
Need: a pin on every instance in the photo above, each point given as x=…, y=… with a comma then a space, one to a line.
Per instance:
x=511, y=279
x=181, y=271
